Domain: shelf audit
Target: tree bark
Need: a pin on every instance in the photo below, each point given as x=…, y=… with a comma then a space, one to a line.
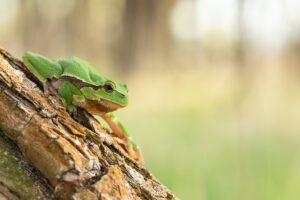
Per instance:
x=51, y=154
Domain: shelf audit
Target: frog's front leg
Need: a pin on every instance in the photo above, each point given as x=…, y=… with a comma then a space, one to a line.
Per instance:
x=119, y=130
x=68, y=91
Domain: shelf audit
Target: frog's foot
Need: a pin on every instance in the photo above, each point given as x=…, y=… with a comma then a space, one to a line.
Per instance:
x=71, y=108
x=123, y=138
x=138, y=155
x=133, y=152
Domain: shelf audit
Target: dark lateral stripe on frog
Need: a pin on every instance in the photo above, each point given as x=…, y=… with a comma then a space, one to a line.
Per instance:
x=79, y=83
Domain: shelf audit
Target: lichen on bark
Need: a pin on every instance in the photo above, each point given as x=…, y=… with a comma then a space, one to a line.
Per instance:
x=18, y=179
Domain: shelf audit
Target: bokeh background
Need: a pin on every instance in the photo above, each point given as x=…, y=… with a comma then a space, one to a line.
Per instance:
x=214, y=84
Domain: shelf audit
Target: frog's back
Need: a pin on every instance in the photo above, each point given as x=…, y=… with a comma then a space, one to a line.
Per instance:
x=74, y=66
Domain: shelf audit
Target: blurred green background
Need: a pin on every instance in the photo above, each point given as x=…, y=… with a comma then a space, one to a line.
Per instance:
x=214, y=85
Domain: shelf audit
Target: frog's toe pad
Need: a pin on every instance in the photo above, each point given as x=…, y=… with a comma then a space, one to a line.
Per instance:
x=71, y=107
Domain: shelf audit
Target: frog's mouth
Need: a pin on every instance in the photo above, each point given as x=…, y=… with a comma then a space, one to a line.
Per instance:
x=110, y=105
x=97, y=106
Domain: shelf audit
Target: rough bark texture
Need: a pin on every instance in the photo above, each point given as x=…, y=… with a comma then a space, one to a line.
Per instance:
x=61, y=156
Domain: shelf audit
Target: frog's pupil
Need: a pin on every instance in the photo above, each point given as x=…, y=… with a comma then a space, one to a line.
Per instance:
x=108, y=87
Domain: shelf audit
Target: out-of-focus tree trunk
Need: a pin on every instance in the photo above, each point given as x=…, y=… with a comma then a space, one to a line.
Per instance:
x=33, y=21
x=28, y=21
x=241, y=37
x=64, y=157
x=146, y=36
x=76, y=26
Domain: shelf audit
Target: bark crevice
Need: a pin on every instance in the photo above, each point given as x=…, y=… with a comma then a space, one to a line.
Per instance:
x=73, y=156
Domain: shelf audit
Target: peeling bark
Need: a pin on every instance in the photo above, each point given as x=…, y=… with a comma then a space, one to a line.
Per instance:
x=72, y=157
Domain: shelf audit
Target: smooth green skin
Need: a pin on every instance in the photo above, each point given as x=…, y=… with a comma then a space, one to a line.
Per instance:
x=46, y=69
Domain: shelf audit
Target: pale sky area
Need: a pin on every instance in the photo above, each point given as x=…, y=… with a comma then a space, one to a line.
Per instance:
x=268, y=22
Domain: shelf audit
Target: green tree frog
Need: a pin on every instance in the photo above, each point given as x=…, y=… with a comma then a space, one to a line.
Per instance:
x=81, y=85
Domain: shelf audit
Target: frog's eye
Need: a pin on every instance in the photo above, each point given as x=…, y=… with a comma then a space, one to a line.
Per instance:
x=108, y=87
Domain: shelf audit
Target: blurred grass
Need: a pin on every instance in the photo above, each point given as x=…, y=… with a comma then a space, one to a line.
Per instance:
x=214, y=138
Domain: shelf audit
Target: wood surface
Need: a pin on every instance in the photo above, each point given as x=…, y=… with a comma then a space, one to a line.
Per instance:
x=48, y=153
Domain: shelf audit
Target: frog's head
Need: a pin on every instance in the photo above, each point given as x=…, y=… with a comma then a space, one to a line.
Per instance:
x=113, y=94
x=107, y=97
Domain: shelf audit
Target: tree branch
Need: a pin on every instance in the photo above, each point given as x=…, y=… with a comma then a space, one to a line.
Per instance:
x=75, y=157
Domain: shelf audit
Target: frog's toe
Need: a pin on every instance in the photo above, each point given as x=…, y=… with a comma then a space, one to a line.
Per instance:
x=71, y=107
